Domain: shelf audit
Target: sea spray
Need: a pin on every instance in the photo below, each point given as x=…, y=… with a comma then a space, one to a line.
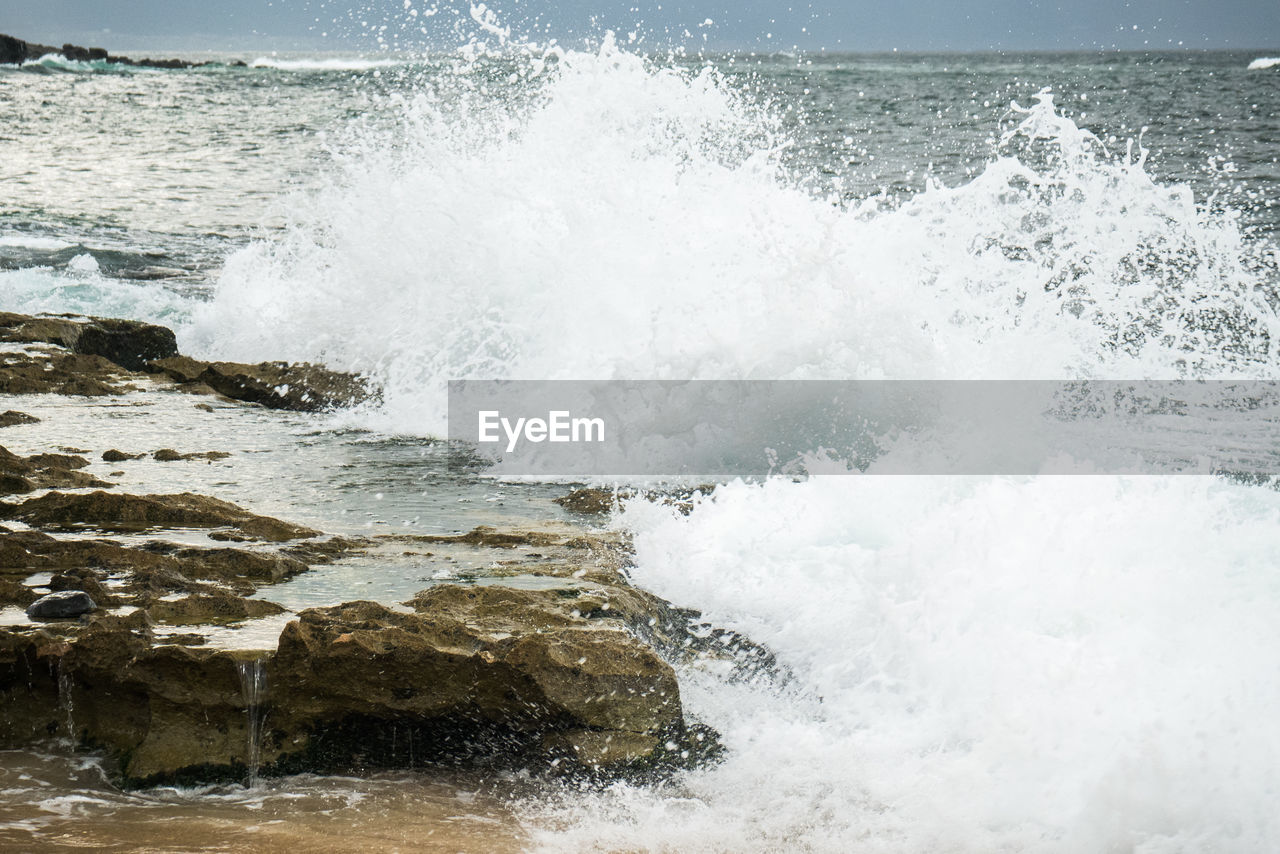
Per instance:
x=611, y=217
x=82, y=288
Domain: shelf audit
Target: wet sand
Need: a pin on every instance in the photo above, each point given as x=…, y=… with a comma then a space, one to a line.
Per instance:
x=59, y=803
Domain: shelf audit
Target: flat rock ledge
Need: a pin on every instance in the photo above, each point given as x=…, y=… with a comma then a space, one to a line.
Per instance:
x=552, y=662
x=551, y=680
x=94, y=356
x=565, y=679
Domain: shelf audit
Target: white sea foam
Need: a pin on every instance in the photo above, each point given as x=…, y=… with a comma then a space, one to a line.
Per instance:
x=83, y=289
x=58, y=62
x=1058, y=664
x=26, y=241
x=632, y=220
x=325, y=64
x=1263, y=62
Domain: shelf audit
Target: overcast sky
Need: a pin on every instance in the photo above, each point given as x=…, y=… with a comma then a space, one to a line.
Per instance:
x=862, y=25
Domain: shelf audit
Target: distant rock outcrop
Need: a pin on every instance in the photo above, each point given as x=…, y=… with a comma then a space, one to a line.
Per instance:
x=15, y=51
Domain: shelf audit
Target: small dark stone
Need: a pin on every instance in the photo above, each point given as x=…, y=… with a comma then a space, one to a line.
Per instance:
x=114, y=456
x=61, y=605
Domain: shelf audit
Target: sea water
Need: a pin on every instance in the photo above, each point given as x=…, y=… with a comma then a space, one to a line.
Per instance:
x=1066, y=664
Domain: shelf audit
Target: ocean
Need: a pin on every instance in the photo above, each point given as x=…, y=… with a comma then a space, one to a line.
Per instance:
x=969, y=664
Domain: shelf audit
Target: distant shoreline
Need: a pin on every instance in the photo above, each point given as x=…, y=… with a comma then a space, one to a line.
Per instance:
x=15, y=51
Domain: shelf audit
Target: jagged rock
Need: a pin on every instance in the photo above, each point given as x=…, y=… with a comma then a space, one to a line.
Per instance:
x=16, y=593
x=84, y=580
x=276, y=385
x=29, y=685
x=169, y=455
x=14, y=51
x=589, y=501
x=593, y=501
x=499, y=654
x=132, y=513
x=474, y=657
x=15, y=483
x=142, y=574
x=234, y=565
x=473, y=671
x=211, y=609
x=127, y=343
x=61, y=461
x=546, y=534
x=43, y=471
x=13, y=418
x=59, y=372
x=96, y=354
x=62, y=605
x=114, y=456
x=563, y=678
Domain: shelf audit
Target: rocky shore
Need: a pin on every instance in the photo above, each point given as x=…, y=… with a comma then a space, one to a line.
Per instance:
x=15, y=51
x=108, y=600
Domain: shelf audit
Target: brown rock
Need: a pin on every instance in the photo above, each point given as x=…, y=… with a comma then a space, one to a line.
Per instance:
x=145, y=573
x=54, y=372
x=43, y=471
x=64, y=461
x=474, y=671
x=16, y=593
x=13, y=418
x=590, y=501
x=211, y=609
x=276, y=385
x=132, y=513
x=169, y=455
x=484, y=655
x=549, y=534
x=85, y=580
x=127, y=343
